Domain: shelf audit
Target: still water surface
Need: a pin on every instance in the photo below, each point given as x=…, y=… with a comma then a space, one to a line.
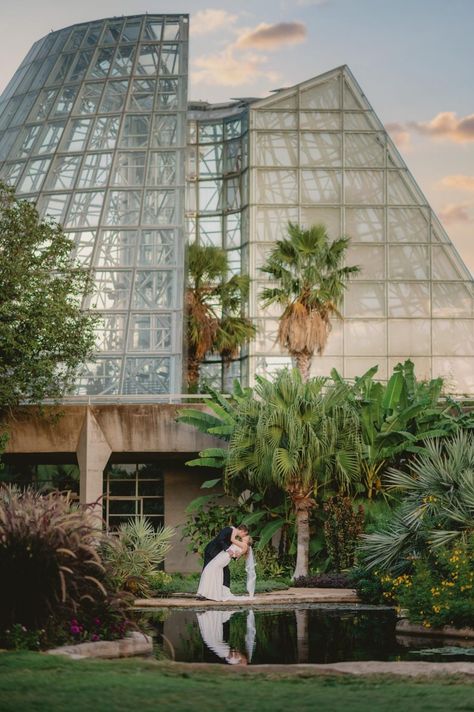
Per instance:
x=316, y=634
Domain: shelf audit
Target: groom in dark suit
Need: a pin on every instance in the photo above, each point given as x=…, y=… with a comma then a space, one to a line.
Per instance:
x=222, y=542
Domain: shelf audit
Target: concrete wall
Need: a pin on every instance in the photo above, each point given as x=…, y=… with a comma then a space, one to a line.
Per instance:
x=93, y=435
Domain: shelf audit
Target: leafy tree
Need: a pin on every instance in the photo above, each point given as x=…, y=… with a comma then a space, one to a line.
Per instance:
x=437, y=506
x=215, y=322
x=397, y=417
x=310, y=277
x=44, y=335
x=302, y=437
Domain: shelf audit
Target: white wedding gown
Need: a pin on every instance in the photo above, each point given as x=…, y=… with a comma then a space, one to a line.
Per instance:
x=211, y=584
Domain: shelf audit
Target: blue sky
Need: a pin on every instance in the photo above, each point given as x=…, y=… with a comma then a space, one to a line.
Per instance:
x=413, y=58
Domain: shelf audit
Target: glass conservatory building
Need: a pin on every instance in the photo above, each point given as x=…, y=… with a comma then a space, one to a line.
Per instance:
x=95, y=127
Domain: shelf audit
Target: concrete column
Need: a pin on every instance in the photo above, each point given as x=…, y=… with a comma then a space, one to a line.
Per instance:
x=93, y=452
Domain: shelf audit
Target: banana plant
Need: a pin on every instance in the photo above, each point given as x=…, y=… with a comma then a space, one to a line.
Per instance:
x=396, y=418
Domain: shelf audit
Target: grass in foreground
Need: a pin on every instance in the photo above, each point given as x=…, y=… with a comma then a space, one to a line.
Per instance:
x=189, y=584
x=31, y=682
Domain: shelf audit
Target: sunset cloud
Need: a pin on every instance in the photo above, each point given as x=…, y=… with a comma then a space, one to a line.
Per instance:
x=399, y=134
x=272, y=37
x=458, y=182
x=204, y=22
x=446, y=125
x=455, y=213
x=231, y=69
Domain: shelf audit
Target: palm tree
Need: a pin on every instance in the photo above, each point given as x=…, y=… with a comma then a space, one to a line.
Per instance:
x=214, y=309
x=308, y=270
x=302, y=437
x=438, y=504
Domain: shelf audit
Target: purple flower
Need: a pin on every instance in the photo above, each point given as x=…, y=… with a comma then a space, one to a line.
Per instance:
x=96, y=621
x=75, y=629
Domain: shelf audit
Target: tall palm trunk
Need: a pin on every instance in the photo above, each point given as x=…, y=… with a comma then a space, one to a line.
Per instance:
x=193, y=370
x=303, y=364
x=303, y=504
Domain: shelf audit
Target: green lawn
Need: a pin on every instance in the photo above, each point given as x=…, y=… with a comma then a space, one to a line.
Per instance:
x=189, y=584
x=37, y=683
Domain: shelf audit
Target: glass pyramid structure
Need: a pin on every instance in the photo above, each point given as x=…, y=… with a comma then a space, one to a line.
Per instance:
x=96, y=129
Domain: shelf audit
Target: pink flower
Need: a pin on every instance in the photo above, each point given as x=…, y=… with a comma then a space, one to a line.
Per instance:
x=95, y=637
x=75, y=629
x=96, y=621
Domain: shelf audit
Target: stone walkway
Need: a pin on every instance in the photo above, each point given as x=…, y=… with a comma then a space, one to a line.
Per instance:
x=274, y=598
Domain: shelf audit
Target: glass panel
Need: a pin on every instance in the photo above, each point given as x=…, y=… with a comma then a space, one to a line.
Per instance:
x=364, y=150
x=131, y=31
x=168, y=94
x=135, y=131
x=85, y=209
x=75, y=136
x=104, y=133
x=157, y=247
x=410, y=337
x=169, y=60
x=160, y=207
x=25, y=145
x=123, y=62
x=34, y=176
x=370, y=259
x=210, y=231
x=322, y=96
x=329, y=217
x=161, y=168
x=7, y=141
x=210, y=195
x=84, y=243
x=103, y=376
x=80, y=66
x=364, y=299
x=320, y=186
x=233, y=156
x=64, y=101
x=147, y=62
x=123, y=207
x=164, y=131
x=153, y=289
x=365, y=224
x=276, y=149
x=129, y=169
x=364, y=187
x=400, y=190
x=11, y=172
x=320, y=149
x=210, y=160
x=365, y=338
x=93, y=34
x=112, y=32
x=275, y=120
x=44, y=104
x=277, y=186
x=50, y=137
x=63, y=173
x=210, y=132
x=110, y=332
x=54, y=206
x=153, y=30
x=112, y=289
x=272, y=223
x=360, y=121
x=452, y=299
x=89, y=97
x=171, y=30
x=117, y=248
x=355, y=366
x=458, y=373
x=408, y=299
x=142, y=95
x=445, y=263
x=100, y=68
x=95, y=170
x=409, y=262
x=61, y=69
x=150, y=332
x=408, y=225
x=147, y=375
x=453, y=337
x=232, y=194
x=114, y=96
x=320, y=121
x=232, y=232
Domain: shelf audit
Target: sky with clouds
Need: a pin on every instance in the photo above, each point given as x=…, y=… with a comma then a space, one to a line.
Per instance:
x=413, y=58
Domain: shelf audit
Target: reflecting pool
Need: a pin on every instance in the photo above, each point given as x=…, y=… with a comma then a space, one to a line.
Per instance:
x=306, y=634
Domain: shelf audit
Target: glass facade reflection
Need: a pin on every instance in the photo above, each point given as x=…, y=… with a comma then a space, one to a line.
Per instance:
x=93, y=129
x=96, y=129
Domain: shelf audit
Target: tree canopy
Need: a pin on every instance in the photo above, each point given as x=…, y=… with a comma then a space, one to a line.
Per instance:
x=44, y=335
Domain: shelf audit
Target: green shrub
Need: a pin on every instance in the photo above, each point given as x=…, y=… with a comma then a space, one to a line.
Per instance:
x=440, y=589
x=205, y=522
x=159, y=581
x=342, y=529
x=369, y=586
x=135, y=553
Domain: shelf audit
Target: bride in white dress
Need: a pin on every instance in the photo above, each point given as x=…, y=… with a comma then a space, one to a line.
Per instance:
x=211, y=584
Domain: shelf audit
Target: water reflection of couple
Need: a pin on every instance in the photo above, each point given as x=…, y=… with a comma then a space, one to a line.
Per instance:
x=230, y=543
x=211, y=626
